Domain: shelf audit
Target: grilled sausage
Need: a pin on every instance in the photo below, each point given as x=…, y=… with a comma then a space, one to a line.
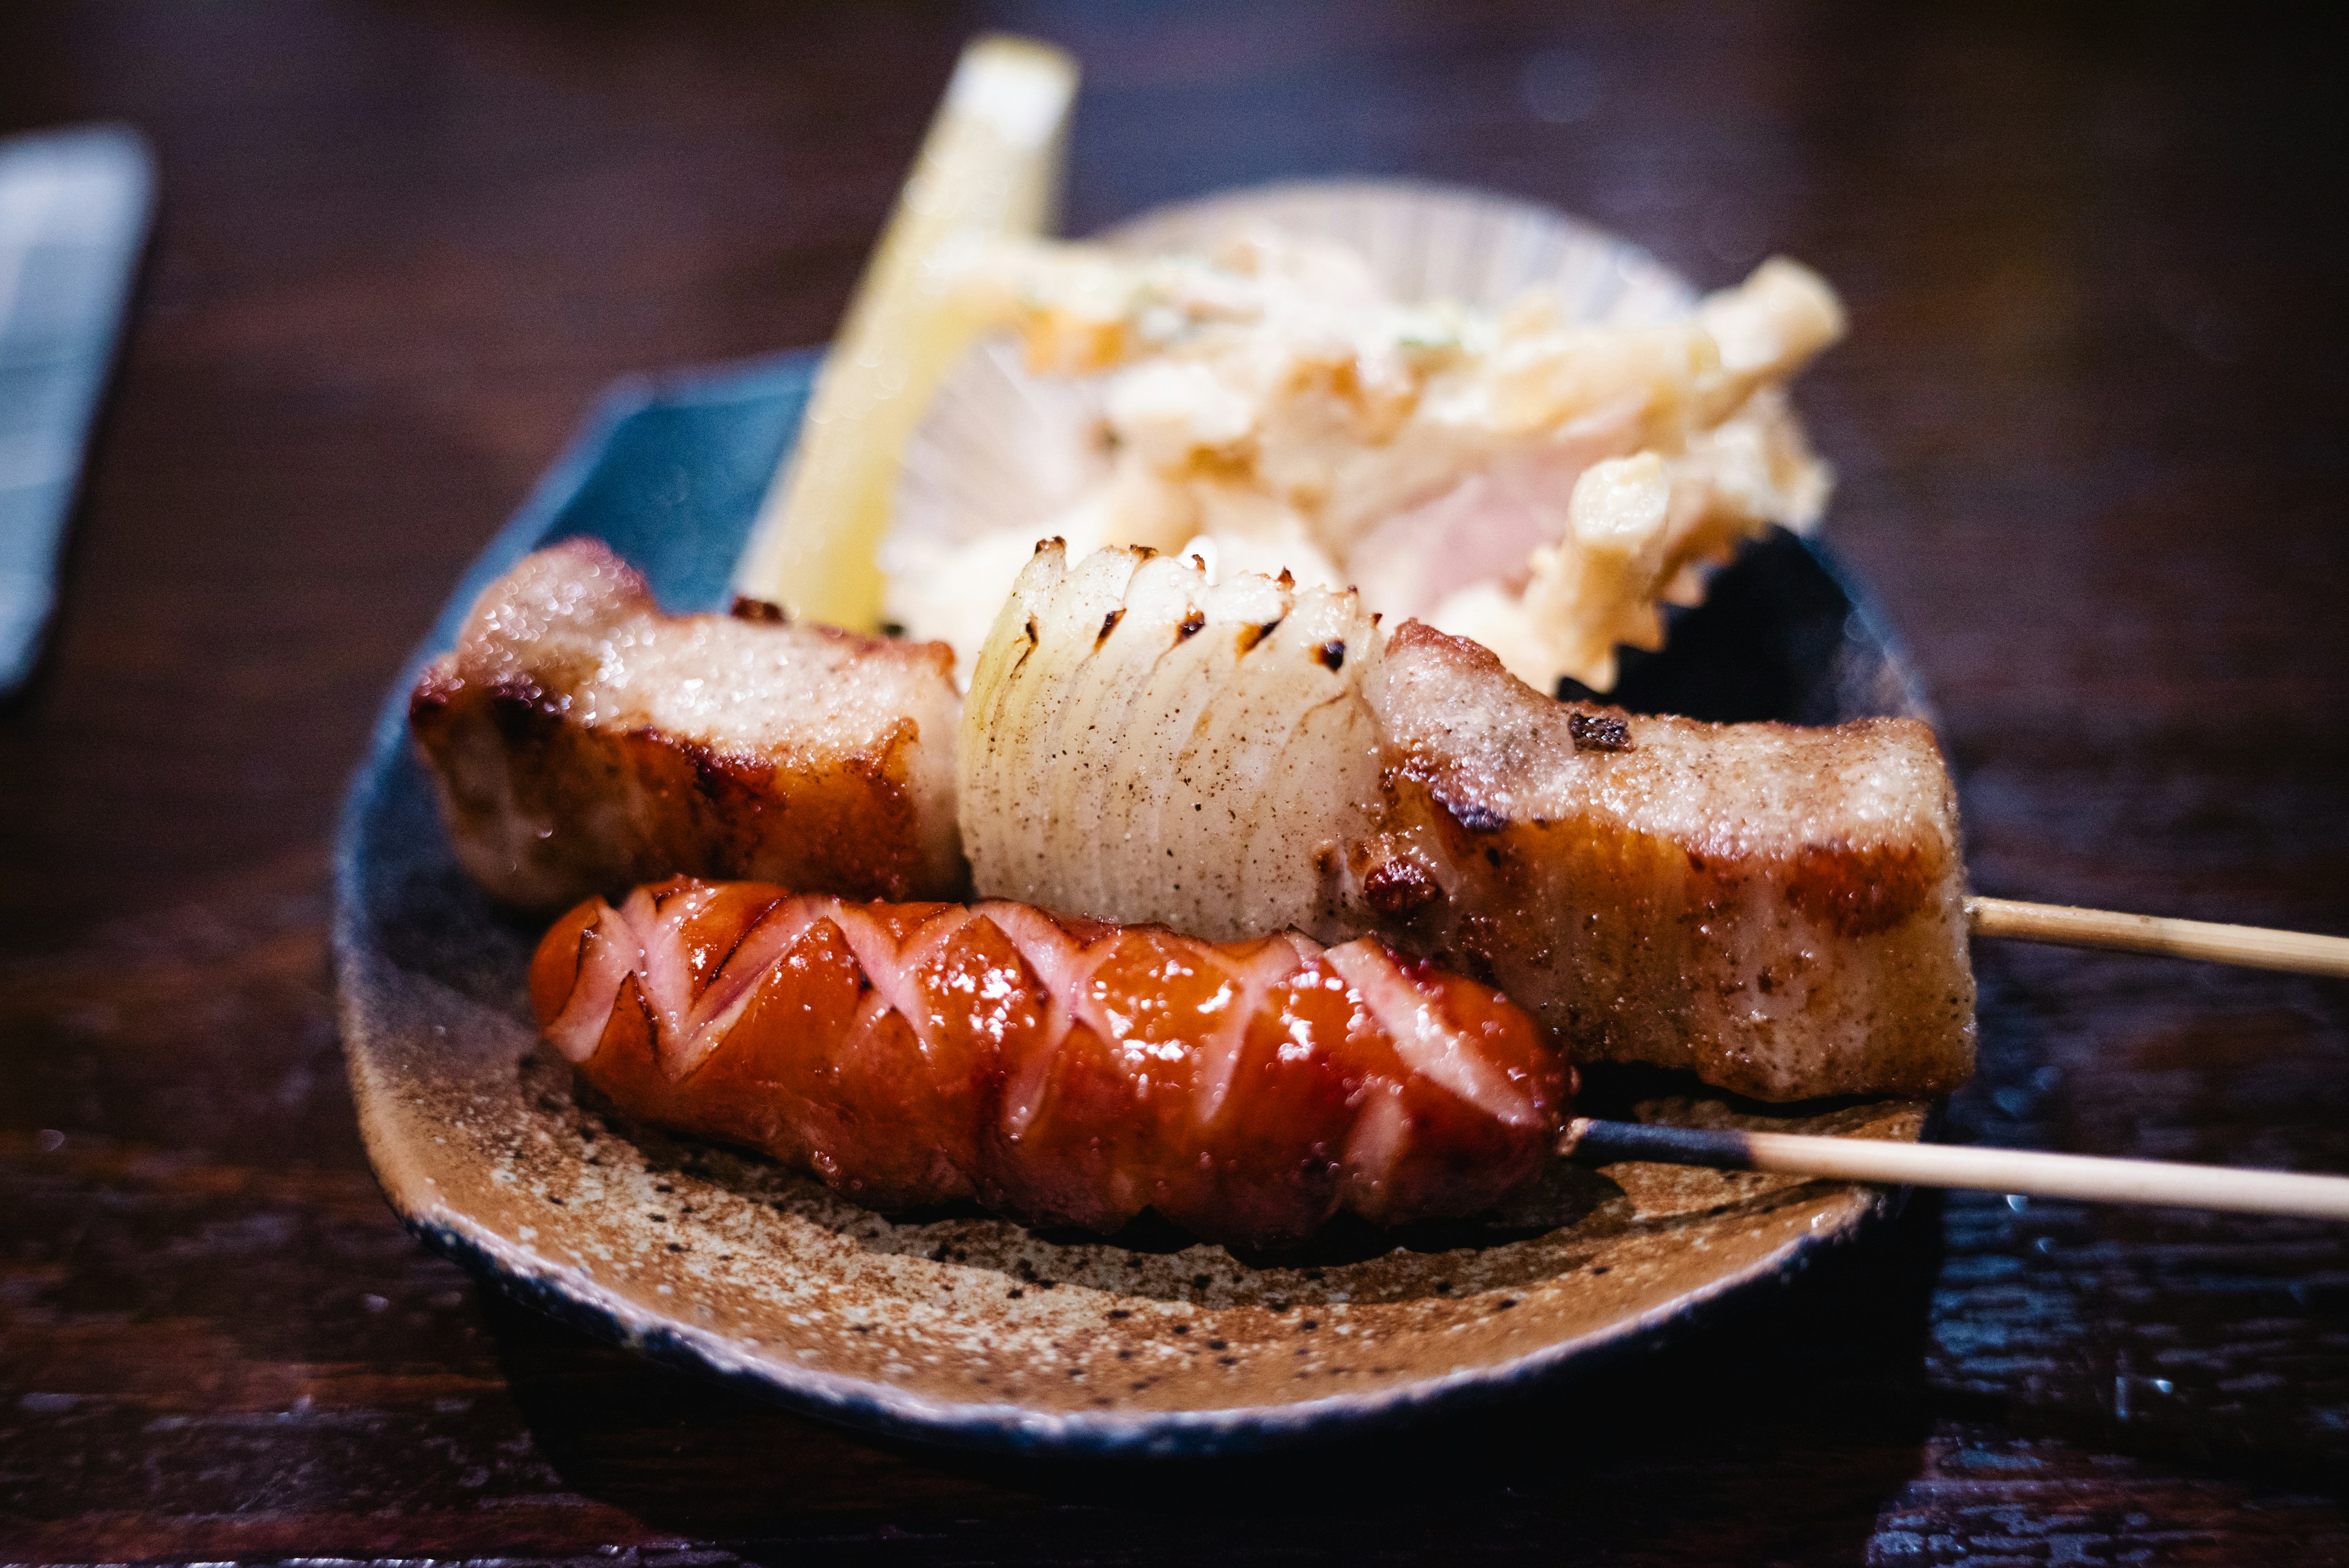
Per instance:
x=1060, y=1071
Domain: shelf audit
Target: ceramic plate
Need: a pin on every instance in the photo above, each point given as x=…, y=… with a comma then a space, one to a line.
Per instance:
x=951, y=1325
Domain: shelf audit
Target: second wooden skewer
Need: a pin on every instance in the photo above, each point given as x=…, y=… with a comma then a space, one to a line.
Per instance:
x=2085, y=1178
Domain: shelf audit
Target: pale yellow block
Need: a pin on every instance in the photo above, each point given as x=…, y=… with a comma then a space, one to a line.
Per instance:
x=991, y=167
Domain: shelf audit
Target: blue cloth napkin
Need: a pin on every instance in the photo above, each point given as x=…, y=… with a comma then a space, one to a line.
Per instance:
x=74, y=212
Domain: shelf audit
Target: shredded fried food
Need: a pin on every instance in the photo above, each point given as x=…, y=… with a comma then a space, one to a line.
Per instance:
x=1538, y=485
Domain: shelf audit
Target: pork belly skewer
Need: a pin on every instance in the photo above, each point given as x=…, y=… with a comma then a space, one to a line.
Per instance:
x=583, y=740
x=1072, y=1072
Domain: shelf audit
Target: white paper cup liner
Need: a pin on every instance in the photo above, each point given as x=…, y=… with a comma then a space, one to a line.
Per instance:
x=1000, y=449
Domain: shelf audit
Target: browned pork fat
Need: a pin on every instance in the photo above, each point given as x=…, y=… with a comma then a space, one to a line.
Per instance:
x=583, y=740
x=1780, y=909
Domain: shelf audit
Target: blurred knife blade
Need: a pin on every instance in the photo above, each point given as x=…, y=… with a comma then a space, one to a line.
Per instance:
x=75, y=207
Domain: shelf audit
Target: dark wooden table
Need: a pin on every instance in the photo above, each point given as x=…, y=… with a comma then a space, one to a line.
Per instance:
x=2091, y=431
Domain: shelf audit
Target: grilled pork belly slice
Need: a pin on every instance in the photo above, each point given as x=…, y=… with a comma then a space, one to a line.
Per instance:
x=1778, y=910
x=582, y=741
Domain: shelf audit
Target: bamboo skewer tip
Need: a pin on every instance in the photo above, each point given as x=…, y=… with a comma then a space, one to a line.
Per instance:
x=1884, y=1162
x=2255, y=947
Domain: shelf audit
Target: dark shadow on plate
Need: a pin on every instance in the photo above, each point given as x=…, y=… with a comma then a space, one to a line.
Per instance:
x=1783, y=634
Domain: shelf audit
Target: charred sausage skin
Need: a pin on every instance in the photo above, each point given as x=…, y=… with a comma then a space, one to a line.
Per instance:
x=1063, y=1072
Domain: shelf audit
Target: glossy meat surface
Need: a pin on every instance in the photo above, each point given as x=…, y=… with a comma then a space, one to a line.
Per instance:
x=582, y=741
x=1060, y=1071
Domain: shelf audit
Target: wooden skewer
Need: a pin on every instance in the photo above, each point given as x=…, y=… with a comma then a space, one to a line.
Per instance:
x=2038, y=1174
x=2075, y=1176
x=2255, y=946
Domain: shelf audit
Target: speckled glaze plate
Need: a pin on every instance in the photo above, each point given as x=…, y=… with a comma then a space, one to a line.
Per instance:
x=952, y=1325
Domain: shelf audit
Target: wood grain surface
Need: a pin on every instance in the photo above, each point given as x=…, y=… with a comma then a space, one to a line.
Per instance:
x=2091, y=433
